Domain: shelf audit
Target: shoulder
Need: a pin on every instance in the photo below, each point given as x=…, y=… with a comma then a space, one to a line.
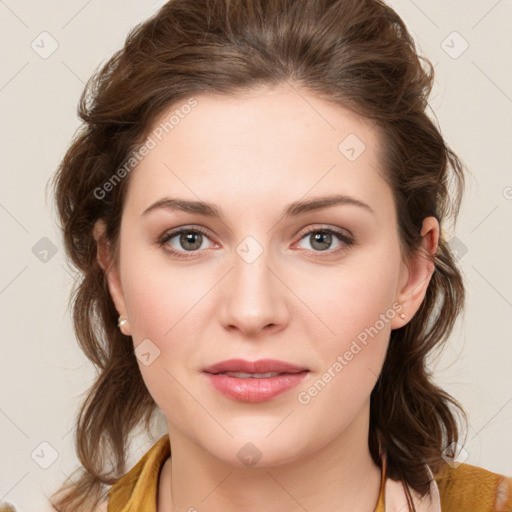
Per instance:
x=466, y=487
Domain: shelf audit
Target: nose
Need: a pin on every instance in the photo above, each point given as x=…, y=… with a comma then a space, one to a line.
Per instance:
x=255, y=297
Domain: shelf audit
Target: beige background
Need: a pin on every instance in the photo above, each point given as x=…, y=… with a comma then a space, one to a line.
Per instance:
x=44, y=373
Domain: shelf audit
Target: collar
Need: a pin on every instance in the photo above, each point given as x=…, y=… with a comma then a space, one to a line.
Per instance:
x=138, y=489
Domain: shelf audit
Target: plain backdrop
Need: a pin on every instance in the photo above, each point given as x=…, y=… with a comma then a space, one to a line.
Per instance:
x=44, y=374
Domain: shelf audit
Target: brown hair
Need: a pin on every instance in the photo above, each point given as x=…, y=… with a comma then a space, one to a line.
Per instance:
x=354, y=53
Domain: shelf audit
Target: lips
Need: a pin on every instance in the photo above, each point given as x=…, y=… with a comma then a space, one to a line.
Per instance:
x=262, y=366
x=254, y=381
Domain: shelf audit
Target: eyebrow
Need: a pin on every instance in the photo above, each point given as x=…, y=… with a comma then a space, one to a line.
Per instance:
x=294, y=209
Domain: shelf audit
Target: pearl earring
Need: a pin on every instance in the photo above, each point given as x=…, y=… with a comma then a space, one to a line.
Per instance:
x=121, y=321
x=402, y=315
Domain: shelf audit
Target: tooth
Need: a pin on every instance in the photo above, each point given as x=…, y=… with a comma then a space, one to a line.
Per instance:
x=244, y=375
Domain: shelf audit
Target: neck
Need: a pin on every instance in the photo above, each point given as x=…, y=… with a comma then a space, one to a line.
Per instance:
x=340, y=476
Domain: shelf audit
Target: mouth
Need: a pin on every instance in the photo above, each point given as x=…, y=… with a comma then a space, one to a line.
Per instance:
x=257, y=381
x=244, y=375
x=260, y=367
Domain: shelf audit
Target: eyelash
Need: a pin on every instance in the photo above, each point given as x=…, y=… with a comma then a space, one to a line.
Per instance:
x=348, y=240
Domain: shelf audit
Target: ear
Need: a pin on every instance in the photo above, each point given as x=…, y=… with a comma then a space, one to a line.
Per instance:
x=105, y=259
x=416, y=273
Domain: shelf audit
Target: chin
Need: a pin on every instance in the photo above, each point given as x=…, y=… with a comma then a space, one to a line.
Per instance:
x=254, y=450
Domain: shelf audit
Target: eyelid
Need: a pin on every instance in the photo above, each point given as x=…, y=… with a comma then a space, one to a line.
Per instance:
x=345, y=237
x=171, y=233
x=325, y=227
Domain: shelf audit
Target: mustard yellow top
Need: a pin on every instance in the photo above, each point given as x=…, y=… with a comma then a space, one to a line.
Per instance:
x=464, y=488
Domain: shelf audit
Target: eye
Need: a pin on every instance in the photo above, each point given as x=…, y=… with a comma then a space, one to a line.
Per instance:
x=323, y=239
x=190, y=239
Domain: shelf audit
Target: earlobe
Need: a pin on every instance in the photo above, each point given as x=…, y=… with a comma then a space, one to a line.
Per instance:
x=418, y=270
x=105, y=260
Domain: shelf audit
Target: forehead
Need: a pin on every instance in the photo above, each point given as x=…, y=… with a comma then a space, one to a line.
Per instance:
x=272, y=145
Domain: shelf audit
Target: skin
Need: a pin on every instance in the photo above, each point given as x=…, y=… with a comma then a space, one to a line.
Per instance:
x=252, y=155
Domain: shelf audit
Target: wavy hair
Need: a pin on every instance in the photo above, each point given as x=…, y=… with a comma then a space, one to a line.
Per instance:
x=357, y=54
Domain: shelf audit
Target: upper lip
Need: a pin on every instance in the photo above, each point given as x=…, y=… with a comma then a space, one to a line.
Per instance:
x=260, y=366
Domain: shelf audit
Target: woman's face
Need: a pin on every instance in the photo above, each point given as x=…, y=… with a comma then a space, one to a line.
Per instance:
x=257, y=282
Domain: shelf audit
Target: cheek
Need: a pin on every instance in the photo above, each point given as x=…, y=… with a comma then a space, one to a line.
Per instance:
x=163, y=311
x=166, y=304
x=160, y=296
x=352, y=361
x=352, y=297
x=157, y=299
x=357, y=309
x=164, y=323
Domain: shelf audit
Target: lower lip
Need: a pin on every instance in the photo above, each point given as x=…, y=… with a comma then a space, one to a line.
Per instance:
x=255, y=390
